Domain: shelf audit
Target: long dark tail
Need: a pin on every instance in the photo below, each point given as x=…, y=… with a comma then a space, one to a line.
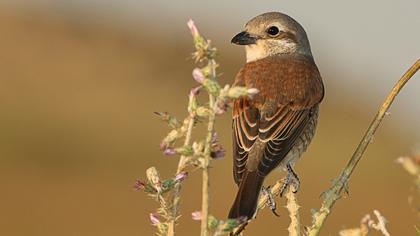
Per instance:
x=247, y=197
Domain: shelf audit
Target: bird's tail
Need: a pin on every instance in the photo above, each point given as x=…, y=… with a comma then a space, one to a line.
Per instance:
x=247, y=197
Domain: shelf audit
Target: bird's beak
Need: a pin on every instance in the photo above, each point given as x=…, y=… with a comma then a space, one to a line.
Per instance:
x=244, y=38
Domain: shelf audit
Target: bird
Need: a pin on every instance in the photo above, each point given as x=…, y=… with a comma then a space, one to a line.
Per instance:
x=274, y=128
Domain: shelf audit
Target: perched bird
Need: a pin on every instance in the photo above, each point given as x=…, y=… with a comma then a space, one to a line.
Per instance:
x=275, y=127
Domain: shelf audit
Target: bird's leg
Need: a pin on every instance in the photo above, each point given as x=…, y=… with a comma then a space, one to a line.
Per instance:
x=270, y=200
x=291, y=178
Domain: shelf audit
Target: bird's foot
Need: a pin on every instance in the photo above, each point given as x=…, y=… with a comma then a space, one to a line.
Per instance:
x=270, y=200
x=291, y=179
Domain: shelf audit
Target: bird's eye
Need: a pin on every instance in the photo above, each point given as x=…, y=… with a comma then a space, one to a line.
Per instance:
x=273, y=31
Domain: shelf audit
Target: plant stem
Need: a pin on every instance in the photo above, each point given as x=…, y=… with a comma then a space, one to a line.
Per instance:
x=181, y=165
x=333, y=194
x=275, y=191
x=293, y=208
x=206, y=160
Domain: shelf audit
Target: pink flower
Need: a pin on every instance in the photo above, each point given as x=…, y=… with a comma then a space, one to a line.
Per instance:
x=154, y=218
x=218, y=152
x=195, y=91
x=221, y=107
x=139, y=185
x=193, y=28
x=196, y=215
x=181, y=176
x=169, y=151
x=198, y=75
x=163, y=145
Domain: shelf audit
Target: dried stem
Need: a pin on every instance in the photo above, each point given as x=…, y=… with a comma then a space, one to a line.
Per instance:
x=194, y=153
x=366, y=224
x=293, y=208
x=206, y=160
x=333, y=194
x=181, y=165
x=381, y=225
x=275, y=191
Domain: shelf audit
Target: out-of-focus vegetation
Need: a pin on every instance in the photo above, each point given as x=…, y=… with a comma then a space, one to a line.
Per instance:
x=76, y=130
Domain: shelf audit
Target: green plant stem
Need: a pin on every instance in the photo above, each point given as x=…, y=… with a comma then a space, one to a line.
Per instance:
x=334, y=193
x=177, y=189
x=206, y=161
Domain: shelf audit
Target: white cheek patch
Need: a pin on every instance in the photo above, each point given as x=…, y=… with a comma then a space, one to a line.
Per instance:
x=287, y=47
x=255, y=52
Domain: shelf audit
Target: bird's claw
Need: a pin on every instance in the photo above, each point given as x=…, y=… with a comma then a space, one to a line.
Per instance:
x=291, y=179
x=270, y=200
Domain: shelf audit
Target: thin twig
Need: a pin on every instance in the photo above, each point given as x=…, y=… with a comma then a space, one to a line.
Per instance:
x=334, y=193
x=293, y=208
x=275, y=191
x=206, y=160
x=381, y=225
x=368, y=223
x=181, y=165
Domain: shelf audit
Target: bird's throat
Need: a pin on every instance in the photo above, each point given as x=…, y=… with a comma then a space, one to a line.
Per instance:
x=255, y=52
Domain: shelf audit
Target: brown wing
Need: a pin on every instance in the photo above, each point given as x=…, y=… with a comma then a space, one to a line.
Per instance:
x=245, y=131
x=266, y=128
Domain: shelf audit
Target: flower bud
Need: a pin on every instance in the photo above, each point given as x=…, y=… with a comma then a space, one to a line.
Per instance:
x=202, y=111
x=139, y=185
x=169, y=151
x=196, y=215
x=181, y=176
x=252, y=92
x=197, y=148
x=212, y=86
x=193, y=28
x=172, y=136
x=154, y=178
x=237, y=92
x=195, y=91
x=185, y=150
x=198, y=75
x=221, y=107
x=154, y=218
x=217, y=153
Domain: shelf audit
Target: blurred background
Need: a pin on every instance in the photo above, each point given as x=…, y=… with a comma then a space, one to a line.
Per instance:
x=79, y=81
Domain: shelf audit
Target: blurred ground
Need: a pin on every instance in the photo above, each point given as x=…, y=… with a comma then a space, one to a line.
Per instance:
x=76, y=130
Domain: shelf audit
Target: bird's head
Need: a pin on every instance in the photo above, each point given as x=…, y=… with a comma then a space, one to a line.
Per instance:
x=272, y=33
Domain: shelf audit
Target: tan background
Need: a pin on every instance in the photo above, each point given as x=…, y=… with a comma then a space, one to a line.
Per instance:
x=79, y=82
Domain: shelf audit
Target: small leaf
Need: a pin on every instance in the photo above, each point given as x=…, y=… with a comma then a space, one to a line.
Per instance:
x=171, y=120
x=168, y=185
x=236, y=92
x=212, y=86
x=213, y=222
x=186, y=150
